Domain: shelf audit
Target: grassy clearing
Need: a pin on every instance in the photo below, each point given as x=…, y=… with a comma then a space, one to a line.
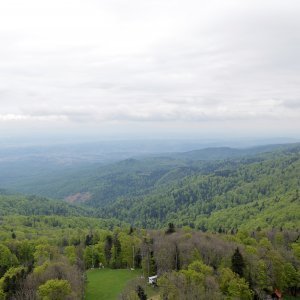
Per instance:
x=107, y=284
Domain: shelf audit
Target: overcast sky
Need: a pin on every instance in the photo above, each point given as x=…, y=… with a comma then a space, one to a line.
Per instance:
x=150, y=67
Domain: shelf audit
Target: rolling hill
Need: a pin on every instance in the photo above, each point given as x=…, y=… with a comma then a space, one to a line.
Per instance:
x=211, y=189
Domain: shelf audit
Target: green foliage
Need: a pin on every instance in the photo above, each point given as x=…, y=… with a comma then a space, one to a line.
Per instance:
x=247, y=210
x=2, y=295
x=233, y=286
x=197, y=282
x=258, y=191
x=108, y=249
x=292, y=277
x=44, y=253
x=54, y=289
x=296, y=249
x=91, y=257
x=25, y=251
x=70, y=252
x=39, y=270
x=191, y=260
x=262, y=279
x=13, y=271
x=33, y=205
x=116, y=253
x=200, y=267
x=7, y=259
x=11, y=281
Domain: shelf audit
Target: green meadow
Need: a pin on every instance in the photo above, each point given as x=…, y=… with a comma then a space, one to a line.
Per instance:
x=107, y=284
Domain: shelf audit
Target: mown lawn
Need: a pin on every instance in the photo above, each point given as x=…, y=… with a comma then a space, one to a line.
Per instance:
x=107, y=284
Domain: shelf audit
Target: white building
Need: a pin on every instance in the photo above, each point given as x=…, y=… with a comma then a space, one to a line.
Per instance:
x=152, y=279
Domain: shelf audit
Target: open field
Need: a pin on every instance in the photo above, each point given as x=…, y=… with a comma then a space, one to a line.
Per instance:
x=107, y=284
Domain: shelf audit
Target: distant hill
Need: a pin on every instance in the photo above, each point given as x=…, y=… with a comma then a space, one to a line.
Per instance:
x=11, y=204
x=261, y=190
x=220, y=153
x=99, y=185
x=213, y=188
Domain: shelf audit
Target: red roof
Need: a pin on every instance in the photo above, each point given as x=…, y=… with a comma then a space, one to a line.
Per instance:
x=278, y=293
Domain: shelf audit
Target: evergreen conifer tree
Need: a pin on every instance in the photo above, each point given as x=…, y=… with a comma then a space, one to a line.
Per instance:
x=237, y=263
x=141, y=293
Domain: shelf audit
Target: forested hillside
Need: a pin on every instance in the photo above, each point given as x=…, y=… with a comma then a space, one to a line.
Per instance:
x=228, y=229
x=98, y=185
x=34, y=205
x=215, y=189
x=45, y=257
x=258, y=191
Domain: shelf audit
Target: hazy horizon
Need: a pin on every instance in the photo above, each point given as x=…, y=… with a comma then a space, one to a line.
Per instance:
x=141, y=144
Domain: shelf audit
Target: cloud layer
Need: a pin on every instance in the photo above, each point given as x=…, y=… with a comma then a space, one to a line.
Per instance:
x=150, y=61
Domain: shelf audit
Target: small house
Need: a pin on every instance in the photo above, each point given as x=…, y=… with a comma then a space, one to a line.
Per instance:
x=152, y=279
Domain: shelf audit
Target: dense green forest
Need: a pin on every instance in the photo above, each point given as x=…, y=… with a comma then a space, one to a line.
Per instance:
x=11, y=204
x=45, y=257
x=261, y=191
x=100, y=184
x=210, y=224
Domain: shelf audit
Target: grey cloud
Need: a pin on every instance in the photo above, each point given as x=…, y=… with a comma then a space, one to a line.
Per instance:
x=292, y=104
x=194, y=110
x=188, y=62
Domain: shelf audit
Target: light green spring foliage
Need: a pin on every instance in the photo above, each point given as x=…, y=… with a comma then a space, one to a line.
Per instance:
x=25, y=250
x=200, y=267
x=292, y=276
x=245, y=192
x=255, y=191
x=91, y=256
x=70, y=252
x=7, y=259
x=39, y=270
x=34, y=205
x=167, y=287
x=197, y=272
x=233, y=286
x=54, y=289
x=9, y=273
x=296, y=249
x=243, y=197
x=197, y=279
x=44, y=252
x=259, y=249
x=262, y=279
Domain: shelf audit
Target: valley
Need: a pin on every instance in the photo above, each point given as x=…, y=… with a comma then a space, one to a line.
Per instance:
x=183, y=216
